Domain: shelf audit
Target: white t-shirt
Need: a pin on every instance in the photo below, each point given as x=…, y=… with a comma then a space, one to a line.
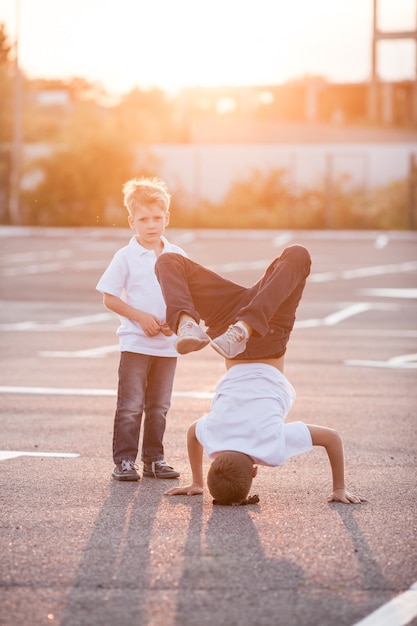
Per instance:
x=131, y=277
x=247, y=415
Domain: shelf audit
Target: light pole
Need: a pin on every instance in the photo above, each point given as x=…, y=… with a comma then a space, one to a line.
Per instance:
x=16, y=147
x=378, y=35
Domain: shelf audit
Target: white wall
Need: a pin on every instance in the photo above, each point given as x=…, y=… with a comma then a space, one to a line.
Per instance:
x=207, y=171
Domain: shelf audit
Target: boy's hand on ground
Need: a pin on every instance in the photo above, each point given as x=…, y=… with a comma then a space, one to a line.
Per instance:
x=341, y=495
x=187, y=490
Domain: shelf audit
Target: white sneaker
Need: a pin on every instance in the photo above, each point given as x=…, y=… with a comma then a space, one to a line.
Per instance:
x=190, y=337
x=231, y=343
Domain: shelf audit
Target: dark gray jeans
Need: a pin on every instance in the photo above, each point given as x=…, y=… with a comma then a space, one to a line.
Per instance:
x=269, y=305
x=145, y=387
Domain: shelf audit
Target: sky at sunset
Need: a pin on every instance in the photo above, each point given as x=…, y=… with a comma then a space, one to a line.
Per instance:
x=175, y=43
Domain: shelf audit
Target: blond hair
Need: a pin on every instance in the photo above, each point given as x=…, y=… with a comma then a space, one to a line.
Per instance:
x=229, y=478
x=139, y=192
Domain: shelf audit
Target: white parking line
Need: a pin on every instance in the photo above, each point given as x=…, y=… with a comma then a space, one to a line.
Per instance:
x=329, y=320
x=398, y=612
x=404, y=361
x=409, y=294
x=93, y=353
x=363, y=272
x=381, y=241
x=5, y=455
x=58, y=261
x=240, y=266
x=52, y=266
x=64, y=391
x=335, y=318
x=70, y=322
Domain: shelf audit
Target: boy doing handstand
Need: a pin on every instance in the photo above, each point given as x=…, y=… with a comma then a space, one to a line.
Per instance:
x=245, y=426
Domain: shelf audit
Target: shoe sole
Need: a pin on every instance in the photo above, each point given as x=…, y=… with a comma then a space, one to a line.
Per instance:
x=220, y=351
x=152, y=475
x=184, y=345
x=126, y=478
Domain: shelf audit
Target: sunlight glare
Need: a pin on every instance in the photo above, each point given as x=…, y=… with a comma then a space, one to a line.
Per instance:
x=185, y=43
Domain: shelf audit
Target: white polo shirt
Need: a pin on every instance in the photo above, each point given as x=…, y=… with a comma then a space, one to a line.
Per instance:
x=131, y=277
x=247, y=415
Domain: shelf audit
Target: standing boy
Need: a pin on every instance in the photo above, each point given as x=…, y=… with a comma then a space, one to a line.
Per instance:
x=147, y=353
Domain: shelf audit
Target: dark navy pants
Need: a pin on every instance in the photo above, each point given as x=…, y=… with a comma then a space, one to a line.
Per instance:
x=268, y=306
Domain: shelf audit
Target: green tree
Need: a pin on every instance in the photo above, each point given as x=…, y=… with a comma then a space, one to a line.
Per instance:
x=80, y=183
x=149, y=117
x=49, y=123
x=261, y=201
x=6, y=86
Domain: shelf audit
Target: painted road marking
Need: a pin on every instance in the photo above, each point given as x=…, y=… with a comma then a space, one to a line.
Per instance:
x=405, y=361
x=377, y=270
x=93, y=353
x=63, y=391
x=52, y=266
x=335, y=318
x=398, y=612
x=363, y=272
x=359, y=272
x=329, y=320
x=44, y=255
x=381, y=241
x=240, y=266
x=380, y=332
x=70, y=322
x=410, y=294
x=5, y=455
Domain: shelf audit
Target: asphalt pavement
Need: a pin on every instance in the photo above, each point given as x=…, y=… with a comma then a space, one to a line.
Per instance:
x=79, y=549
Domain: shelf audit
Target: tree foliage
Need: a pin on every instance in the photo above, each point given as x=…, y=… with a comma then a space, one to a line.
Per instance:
x=6, y=86
x=5, y=48
x=95, y=144
x=81, y=180
x=150, y=117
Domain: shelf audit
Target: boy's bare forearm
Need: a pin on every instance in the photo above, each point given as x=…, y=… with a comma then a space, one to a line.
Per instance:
x=195, y=456
x=332, y=442
x=336, y=456
x=118, y=306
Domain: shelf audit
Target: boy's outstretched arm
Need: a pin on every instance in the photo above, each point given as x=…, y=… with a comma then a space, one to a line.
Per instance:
x=332, y=441
x=195, y=456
